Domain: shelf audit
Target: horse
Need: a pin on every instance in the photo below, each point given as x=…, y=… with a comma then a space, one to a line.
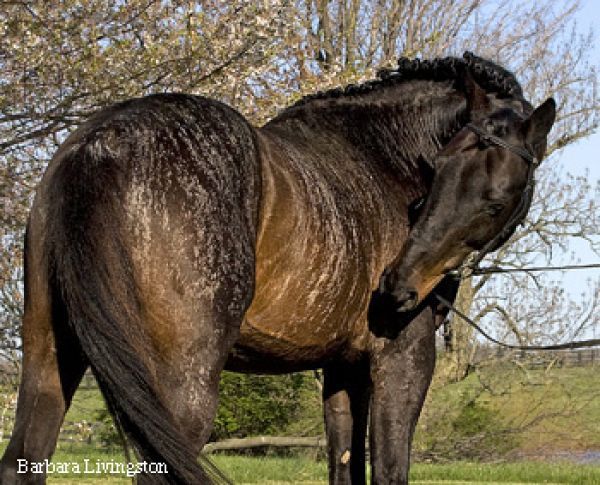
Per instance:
x=170, y=239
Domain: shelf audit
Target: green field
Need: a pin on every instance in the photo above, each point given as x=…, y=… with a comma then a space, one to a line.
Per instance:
x=539, y=413
x=524, y=413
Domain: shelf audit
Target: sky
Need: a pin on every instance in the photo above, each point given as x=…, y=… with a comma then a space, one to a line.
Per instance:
x=584, y=155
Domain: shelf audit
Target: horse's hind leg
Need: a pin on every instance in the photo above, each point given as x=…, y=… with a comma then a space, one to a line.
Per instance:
x=193, y=313
x=52, y=369
x=346, y=394
x=189, y=375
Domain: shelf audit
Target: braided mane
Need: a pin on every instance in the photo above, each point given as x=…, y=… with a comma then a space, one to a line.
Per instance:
x=490, y=76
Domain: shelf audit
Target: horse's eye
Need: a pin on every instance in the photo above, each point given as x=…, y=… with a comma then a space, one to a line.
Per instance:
x=496, y=128
x=500, y=131
x=414, y=210
x=494, y=208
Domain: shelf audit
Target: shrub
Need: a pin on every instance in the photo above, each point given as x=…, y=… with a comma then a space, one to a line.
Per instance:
x=253, y=405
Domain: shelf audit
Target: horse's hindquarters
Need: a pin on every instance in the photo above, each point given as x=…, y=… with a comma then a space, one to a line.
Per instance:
x=147, y=216
x=192, y=243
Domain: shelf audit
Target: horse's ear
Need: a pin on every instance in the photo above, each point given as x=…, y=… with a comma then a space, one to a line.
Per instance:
x=537, y=126
x=477, y=99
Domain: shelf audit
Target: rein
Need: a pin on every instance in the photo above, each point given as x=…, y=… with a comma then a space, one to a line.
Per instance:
x=516, y=218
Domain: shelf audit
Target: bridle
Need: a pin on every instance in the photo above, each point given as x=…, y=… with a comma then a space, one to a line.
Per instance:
x=518, y=215
x=516, y=218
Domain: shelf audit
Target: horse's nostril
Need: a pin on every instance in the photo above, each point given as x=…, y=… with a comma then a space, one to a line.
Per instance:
x=407, y=299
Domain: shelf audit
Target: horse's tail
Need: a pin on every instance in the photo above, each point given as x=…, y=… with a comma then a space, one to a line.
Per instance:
x=92, y=268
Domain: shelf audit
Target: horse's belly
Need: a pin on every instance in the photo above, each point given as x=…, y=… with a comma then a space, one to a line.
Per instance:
x=305, y=321
x=275, y=359
x=281, y=348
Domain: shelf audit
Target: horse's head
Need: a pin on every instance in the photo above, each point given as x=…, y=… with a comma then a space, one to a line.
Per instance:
x=481, y=190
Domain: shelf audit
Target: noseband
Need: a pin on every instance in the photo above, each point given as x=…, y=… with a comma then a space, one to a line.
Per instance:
x=520, y=211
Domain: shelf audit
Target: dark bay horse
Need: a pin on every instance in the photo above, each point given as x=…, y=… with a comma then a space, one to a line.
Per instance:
x=170, y=239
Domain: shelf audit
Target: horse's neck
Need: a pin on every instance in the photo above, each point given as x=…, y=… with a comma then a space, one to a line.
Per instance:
x=393, y=131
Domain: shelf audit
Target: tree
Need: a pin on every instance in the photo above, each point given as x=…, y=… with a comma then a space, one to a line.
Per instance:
x=256, y=405
x=57, y=66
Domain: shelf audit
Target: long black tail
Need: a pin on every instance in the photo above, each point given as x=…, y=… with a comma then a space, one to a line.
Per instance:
x=92, y=267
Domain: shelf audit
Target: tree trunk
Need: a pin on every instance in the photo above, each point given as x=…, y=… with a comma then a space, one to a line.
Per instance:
x=459, y=357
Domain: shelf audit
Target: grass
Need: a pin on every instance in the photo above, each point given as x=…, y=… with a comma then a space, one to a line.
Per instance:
x=542, y=412
x=522, y=472
x=243, y=469
x=302, y=470
x=556, y=410
x=306, y=471
x=551, y=410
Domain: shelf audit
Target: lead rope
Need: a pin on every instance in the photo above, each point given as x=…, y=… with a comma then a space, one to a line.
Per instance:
x=577, y=344
x=532, y=269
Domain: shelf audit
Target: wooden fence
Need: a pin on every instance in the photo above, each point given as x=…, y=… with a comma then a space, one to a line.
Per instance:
x=557, y=358
x=266, y=441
